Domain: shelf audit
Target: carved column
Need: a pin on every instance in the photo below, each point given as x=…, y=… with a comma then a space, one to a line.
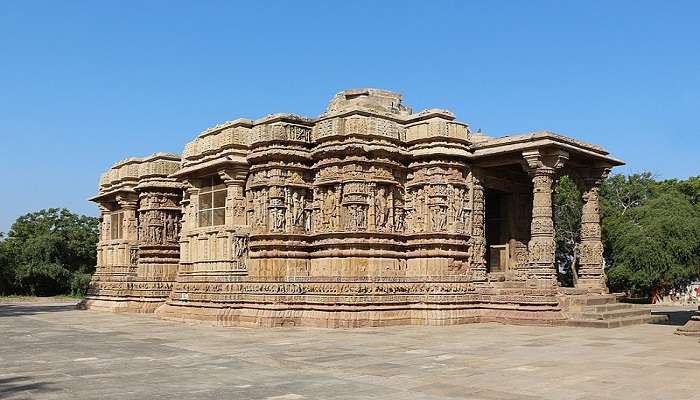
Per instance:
x=478, y=238
x=591, y=275
x=542, y=167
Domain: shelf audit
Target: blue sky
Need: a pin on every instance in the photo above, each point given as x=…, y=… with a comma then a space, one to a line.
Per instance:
x=85, y=84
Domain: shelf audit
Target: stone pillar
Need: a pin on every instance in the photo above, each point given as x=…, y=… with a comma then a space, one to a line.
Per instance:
x=591, y=275
x=542, y=167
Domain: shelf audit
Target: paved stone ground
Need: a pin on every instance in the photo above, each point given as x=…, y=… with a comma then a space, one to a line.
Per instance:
x=51, y=351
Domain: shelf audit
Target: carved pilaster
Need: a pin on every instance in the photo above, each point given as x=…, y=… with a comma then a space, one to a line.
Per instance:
x=235, y=196
x=129, y=205
x=478, y=238
x=542, y=167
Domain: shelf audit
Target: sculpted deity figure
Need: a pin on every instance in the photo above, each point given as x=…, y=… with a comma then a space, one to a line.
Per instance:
x=259, y=207
x=169, y=228
x=329, y=209
x=381, y=211
x=351, y=224
x=419, y=211
x=361, y=217
x=133, y=255
x=458, y=206
x=239, y=246
x=297, y=206
x=278, y=218
x=154, y=232
x=439, y=217
x=399, y=219
x=176, y=227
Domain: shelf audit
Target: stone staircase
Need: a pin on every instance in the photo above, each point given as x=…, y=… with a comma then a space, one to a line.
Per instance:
x=604, y=311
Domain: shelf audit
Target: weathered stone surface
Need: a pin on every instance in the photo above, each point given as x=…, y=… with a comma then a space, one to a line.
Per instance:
x=368, y=215
x=53, y=352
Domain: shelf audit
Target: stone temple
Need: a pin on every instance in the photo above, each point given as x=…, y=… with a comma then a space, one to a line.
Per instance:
x=367, y=215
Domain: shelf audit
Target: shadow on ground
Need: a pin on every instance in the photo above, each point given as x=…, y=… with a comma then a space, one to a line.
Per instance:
x=22, y=387
x=19, y=309
x=676, y=317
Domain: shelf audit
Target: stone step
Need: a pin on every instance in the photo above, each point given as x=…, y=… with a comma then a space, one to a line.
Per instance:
x=616, y=323
x=600, y=300
x=610, y=307
x=616, y=314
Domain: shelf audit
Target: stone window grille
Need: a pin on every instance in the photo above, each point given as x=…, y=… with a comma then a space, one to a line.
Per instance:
x=212, y=202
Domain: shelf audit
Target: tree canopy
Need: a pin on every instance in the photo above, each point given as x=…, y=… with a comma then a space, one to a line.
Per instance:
x=48, y=252
x=651, y=231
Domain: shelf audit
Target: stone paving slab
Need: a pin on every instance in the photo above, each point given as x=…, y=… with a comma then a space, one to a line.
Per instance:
x=52, y=351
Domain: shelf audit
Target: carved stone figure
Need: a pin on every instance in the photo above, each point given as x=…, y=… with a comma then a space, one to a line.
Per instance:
x=329, y=209
x=381, y=211
x=133, y=255
x=439, y=217
x=399, y=219
x=297, y=209
x=278, y=219
x=458, y=206
x=239, y=246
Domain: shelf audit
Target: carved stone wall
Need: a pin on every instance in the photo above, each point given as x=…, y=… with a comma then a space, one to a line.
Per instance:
x=138, y=257
x=367, y=215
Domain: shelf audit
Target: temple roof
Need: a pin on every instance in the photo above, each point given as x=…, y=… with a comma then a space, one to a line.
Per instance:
x=374, y=114
x=126, y=175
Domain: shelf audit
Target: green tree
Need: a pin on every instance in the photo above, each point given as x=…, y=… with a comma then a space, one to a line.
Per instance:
x=45, y=251
x=567, y=223
x=651, y=232
x=620, y=193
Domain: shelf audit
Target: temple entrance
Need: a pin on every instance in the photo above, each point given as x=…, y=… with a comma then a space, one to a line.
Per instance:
x=497, y=230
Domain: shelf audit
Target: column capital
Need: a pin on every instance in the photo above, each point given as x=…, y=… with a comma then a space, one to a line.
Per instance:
x=127, y=202
x=544, y=161
x=233, y=176
x=593, y=177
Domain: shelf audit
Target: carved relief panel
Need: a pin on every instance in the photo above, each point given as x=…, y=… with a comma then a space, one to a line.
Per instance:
x=279, y=201
x=438, y=200
x=159, y=219
x=356, y=196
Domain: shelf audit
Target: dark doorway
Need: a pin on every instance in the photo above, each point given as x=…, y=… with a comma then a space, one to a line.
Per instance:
x=497, y=230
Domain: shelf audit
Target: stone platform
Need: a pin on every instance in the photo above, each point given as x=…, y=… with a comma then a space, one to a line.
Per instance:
x=53, y=351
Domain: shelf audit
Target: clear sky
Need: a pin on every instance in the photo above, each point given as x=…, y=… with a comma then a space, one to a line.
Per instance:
x=84, y=84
